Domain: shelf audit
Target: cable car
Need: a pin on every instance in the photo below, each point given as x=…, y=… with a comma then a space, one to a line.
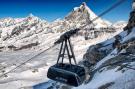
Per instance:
x=67, y=73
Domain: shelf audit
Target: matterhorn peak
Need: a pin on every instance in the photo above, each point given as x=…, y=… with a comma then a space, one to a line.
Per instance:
x=84, y=4
x=31, y=15
x=85, y=8
x=83, y=14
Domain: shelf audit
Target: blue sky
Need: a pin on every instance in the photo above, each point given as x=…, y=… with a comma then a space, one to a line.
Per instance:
x=53, y=9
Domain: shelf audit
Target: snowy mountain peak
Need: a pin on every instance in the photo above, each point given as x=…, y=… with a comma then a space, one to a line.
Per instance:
x=31, y=15
x=84, y=15
x=84, y=4
x=84, y=7
x=120, y=24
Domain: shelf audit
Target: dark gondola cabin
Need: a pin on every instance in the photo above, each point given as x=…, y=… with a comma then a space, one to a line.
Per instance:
x=67, y=73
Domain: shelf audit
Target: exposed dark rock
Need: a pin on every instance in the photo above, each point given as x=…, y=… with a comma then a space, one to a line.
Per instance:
x=17, y=30
x=121, y=67
x=93, y=55
x=65, y=87
x=106, y=86
x=51, y=87
x=12, y=47
x=131, y=22
x=131, y=48
x=28, y=46
x=2, y=47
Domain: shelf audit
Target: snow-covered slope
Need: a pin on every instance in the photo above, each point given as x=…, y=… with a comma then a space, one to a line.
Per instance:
x=22, y=32
x=120, y=24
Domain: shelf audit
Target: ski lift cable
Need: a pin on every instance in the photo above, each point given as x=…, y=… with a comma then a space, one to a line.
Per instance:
x=105, y=12
x=27, y=61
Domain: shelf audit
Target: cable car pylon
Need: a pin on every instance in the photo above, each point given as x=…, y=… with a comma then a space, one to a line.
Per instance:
x=66, y=46
x=66, y=73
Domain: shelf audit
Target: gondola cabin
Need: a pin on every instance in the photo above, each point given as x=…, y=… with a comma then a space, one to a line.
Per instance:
x=72, y=75
x=67, y=73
